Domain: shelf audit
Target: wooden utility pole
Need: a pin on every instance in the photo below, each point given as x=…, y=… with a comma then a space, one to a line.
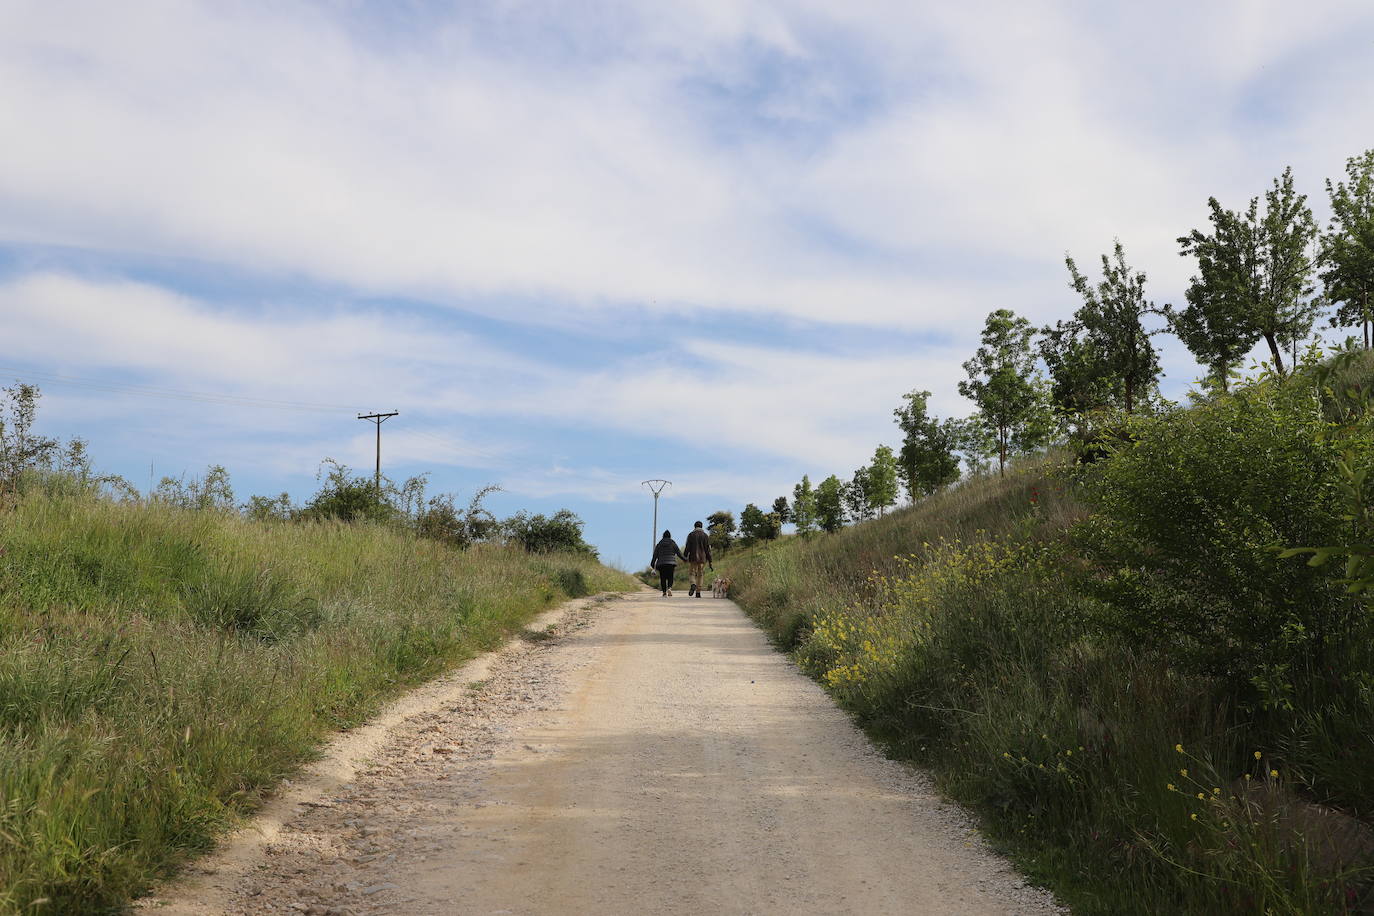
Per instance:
x=379, y=419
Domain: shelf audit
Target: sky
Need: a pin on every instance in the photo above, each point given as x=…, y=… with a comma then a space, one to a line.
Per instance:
x=577, y=246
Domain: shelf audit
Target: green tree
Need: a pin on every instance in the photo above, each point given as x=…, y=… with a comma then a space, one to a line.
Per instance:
x=1116, y=354
x=830, y=504
x=882, y=479
x=20, y=449
x=1078, y=386
x=1212, y=330
x=756, y=525
x=975, y=442
x=1254, y=275
x=782, y=510
x=855, y=496
x=804, y=506
x=926, y=461
x=1347, y=248
x=560, y=532
x=720, y=526
x=1003, y=382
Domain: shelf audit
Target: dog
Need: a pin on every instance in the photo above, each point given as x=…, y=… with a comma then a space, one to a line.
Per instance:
x=720, y=587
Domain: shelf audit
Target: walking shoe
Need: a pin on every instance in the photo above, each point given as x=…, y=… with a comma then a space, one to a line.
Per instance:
x=691, y=590
x=670, y=593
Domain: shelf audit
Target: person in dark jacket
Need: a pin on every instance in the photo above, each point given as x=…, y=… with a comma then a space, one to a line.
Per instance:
x=698, y=555
x=666, y=555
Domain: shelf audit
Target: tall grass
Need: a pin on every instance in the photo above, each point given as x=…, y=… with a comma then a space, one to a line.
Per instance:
x=960, y=633
x=161, y=668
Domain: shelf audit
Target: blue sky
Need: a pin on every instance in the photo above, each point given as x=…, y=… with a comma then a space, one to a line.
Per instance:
x=579, y=245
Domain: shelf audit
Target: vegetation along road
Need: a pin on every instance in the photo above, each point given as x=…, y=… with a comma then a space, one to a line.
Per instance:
x=635, y=755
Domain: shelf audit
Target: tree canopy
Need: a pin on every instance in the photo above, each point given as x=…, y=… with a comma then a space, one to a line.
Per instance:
x=1003, y=382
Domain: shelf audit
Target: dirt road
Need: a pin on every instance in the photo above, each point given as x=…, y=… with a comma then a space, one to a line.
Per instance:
x=643, y=755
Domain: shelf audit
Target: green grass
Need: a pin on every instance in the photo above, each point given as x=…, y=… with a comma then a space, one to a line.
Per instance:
x=161, y=669
x=959, y=633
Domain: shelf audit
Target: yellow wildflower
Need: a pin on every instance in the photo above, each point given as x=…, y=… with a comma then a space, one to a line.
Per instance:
x=1257, y=755
x=1193, y=816
x=1179, y=748
x=1170, y=787
x=1273, y=774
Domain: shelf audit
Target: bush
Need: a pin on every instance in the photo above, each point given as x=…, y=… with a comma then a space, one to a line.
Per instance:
x=572, y=581
x=441, y=520
x=561, y=531
x=348, y=497
x=1183, y=549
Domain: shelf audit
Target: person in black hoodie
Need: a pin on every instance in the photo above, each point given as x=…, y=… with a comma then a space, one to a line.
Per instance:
x=666, y=555
x=698, y=555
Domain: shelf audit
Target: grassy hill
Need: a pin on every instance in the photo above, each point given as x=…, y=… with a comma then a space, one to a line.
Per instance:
x=1151, y=708
x=161, y=668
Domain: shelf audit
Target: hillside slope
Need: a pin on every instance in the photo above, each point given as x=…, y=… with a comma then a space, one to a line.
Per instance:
x=1152, y=708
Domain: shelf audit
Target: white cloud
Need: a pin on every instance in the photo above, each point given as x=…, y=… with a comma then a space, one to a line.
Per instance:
x=818, y=410
x=281, y=352
x=811, y=410
x=281, y=139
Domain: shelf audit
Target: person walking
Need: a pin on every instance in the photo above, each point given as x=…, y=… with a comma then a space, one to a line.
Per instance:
x=698, y=555
x=666, y=555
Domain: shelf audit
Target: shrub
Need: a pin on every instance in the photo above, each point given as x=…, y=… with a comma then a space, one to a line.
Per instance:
x=561, y=531
x=1183, y=550
x=441, y=520
x=572, y=581
x=348, y=497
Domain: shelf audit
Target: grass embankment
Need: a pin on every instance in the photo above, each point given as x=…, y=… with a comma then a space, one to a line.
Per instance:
x=1151, y=710
x=160, y=669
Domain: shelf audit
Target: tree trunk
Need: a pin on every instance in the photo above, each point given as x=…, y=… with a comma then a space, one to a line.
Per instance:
x=1130, y=393
x=1002, y=453
x=1274, y=349
x=1365, y=316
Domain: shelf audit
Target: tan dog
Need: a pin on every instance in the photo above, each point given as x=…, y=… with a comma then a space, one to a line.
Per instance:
x=720, y=588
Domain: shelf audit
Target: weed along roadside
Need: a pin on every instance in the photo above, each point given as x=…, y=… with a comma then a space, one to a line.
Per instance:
x=162, y=668
x=1151, y=707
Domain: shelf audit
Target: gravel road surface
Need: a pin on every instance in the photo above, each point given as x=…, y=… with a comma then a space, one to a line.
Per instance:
x=634, y=755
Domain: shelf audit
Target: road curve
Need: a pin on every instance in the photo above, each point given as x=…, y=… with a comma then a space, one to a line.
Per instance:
x=652, y=755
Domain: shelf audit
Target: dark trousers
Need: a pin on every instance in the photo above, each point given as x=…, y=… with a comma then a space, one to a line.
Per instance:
x=665, y=575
